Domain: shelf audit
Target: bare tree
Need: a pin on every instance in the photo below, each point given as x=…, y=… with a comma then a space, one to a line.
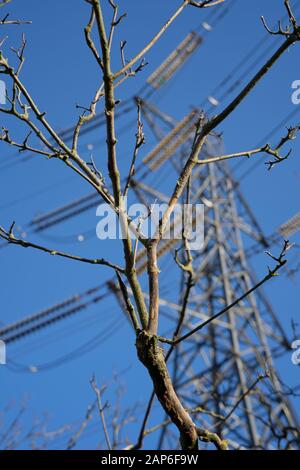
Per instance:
x=48, y=143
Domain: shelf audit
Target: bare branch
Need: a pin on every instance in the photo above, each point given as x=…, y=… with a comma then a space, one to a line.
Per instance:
x=10, y=238
x=246, y=393
x=84, y=118
x=291, y=134
x=139, y=141
x=280, y=260
x=115, y=21
x=89, y=414
x=152, y=42
x=207, y=436
x=4, y=2
x=89, y=41
x=128, y=304
x=10, y=22
x=292, y=28
x=206, y=3
x=216, y=121
x=113, y=165
x=101, y=409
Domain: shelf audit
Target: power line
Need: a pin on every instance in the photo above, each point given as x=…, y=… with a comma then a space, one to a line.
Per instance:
x=99, y=120
x=47, y=317
x=87, y=347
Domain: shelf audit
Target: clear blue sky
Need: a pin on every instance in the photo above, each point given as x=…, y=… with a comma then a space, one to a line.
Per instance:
x=60, y=72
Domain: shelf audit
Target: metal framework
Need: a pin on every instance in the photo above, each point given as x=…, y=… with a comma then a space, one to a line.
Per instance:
x=175, y=60
x=226, y=371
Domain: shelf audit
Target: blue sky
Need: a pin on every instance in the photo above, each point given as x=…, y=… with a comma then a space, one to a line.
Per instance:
x=60, y=72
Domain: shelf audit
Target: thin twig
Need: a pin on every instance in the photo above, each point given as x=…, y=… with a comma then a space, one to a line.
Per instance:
x=129, y=307
x=10, y=238
x=265, y=149
x=101, y=409
x=281, y=261
x=88, y=416
x=152, y=42
x=139, y=141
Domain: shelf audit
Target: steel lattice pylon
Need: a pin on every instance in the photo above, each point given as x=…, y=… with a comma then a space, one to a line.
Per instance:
x=219, y=372
x=225, y=374
x=226, y=370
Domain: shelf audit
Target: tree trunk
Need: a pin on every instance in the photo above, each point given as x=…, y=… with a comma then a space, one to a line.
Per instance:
x=151, y=355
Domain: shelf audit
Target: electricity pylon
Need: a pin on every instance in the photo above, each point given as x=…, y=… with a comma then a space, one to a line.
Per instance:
x=225, y=372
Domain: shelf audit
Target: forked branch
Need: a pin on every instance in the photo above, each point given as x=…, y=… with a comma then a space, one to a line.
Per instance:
x=280, y=262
